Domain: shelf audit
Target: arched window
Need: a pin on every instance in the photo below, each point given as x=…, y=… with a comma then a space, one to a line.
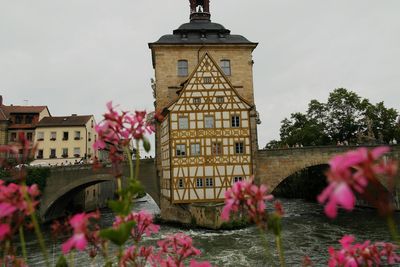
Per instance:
x=183, y=68
x=226, y=66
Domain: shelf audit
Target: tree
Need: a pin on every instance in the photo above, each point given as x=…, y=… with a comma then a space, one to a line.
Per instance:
x=344, y=117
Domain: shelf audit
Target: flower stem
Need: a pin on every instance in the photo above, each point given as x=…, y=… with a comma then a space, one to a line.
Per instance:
x=72, y=259
x=263, y=236
x=23, y=244
x=34, y=220
x=137, y=160
x=393, y=228
x=278, y=240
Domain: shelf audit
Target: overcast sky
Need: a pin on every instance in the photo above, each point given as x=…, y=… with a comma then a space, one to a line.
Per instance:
x=75, y=55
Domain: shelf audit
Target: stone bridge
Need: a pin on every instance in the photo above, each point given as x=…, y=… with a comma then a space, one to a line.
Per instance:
x=65, y=182
x=275, y=165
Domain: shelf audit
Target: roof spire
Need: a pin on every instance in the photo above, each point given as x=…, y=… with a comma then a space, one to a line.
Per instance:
x=200, y=10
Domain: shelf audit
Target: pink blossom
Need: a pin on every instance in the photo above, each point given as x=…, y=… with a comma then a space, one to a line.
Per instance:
x=134, y=256
x=194, y=263
x=79, y=239
x=352, y=172
x=174, y=250
x=362, y=254
x=251, y=197
x=144, y=224
x=4, y=231
x=6, y=209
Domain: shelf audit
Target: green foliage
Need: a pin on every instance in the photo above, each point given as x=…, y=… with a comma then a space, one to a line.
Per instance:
x=146, y=144
x=62, y=261
x=345, y=117
x=120, y=235
x=38, y=176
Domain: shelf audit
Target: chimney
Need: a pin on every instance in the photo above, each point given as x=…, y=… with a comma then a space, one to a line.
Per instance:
x=73, y=115
x=1, y=100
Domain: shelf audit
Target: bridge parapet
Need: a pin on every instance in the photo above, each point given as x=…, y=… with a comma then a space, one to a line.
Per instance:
x=275, y=165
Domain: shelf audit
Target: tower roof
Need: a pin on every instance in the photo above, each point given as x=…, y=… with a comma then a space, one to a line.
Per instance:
x=200, y=29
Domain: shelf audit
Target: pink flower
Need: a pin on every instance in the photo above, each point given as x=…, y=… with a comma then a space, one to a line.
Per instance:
x=134, y=256
x=174, y=250
x=6, y=209
x=249, y=196
x=352, y=172
x=4, y=231
x=362, y=254
x=194, y=263
x=144, y=224
x=81, y=233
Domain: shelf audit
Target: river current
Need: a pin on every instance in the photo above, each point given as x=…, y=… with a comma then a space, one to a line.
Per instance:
x=306, y=231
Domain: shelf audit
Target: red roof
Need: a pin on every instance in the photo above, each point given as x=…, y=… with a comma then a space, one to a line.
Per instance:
x=23, y=109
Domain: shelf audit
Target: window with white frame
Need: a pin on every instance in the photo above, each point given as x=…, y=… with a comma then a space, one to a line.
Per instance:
x=196, y=100
x=40, y=136
x=226, y=66
x=181, y=183
x=209, y=182
x=183, y=123
x=216, y=148
x=77, y=135
x=183, y=68
x=208, y=122
x=235, y=121
x=239, y=148
x=180, y=150
x=220, y=99
x=53, y=136
x=65, y=152
x=238, y=179
x=77, y=152
x=199, y=182
x=195, y=150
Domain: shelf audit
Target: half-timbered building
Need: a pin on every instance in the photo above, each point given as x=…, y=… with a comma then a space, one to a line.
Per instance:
x=205, y=138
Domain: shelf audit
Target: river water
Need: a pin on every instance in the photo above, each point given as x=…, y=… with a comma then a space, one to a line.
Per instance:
x=306, y=231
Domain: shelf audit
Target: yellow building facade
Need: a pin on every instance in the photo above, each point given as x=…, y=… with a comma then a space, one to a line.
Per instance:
x=65, y=140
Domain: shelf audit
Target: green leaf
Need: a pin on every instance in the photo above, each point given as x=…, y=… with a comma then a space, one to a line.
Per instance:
x=120, y=207
x=146, y=144
x=108, y=264
x=62, y=261
x=120, y=235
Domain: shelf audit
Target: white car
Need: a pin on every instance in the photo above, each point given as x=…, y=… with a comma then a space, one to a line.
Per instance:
x=39, y=164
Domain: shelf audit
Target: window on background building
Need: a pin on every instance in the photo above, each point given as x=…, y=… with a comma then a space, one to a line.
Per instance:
x=53, y=136
x=183, y=123
x=235, y=121
x=29, y=136
x=65, y=135
x=180, y=150
x=77, y=135
x=183, y=68
x=18, y=119
x=209, y=182
x=226, y=66
x=53, y=153
x=208, y=122
x=28, y=119
x=199, y=182
x=195, y=150
x=65, y=152
x=197, y=100
x=181, y=183
x=216, y=148
x=239, y=148
x=91, y=124
x=220, y=99
x=13, y=137
x=40, y=136
x=90, y=136
x=40, y=154
x=77, y=152
x=238, y=179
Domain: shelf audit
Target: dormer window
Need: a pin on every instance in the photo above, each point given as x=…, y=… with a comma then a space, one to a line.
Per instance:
x=183, y=70
x=226, y=66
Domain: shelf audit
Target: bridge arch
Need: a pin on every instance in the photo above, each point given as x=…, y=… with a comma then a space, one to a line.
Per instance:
x=59, y=199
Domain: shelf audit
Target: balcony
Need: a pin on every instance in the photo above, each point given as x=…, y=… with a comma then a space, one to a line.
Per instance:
x=77, y=155
x=40, y=139
x=53, y=156
x=64, y=155
x=39, y=156
x=52, y=139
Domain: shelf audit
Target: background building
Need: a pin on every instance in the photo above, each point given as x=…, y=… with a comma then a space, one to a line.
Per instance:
x=65, y=140
x=19, y=119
